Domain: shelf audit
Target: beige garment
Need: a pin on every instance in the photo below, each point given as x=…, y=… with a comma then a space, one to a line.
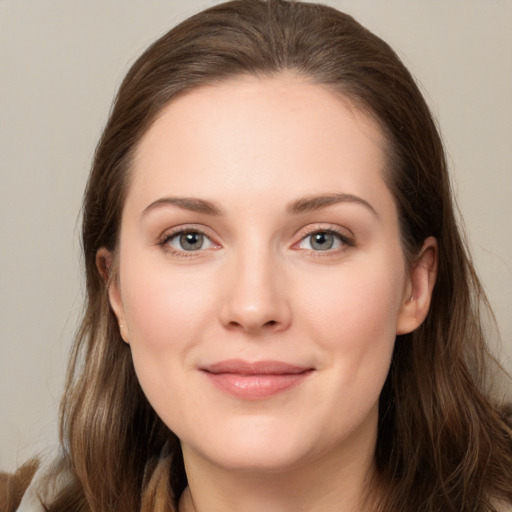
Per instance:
x=30, y=501
x=40, y=487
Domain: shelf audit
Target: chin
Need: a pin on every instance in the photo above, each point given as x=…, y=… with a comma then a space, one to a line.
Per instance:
x=256, y=459
x=258, y=446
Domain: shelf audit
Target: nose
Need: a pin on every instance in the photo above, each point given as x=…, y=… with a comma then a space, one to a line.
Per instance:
x=255, y=299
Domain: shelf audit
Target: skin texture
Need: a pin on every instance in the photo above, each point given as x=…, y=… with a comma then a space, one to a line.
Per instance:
x=259, y=289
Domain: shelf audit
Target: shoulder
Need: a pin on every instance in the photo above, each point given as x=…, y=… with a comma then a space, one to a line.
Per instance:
x=14, y=488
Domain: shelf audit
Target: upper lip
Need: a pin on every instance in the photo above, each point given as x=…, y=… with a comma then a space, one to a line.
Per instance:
x=241, y=367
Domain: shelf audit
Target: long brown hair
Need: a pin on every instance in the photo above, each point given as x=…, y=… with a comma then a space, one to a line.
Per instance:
x=443, y=443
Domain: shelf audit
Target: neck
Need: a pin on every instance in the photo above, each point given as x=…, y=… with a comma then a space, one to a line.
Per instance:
x=340, y=481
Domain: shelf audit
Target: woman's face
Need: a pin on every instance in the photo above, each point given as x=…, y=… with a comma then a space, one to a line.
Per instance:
x=261, y=278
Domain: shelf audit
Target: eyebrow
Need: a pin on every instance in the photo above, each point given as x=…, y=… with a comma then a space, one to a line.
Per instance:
x=311, y=203
x=186, y=203
x=302, y=205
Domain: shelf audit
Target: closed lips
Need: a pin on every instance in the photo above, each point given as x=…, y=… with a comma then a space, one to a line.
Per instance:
x=240, y=367
x=255, y=381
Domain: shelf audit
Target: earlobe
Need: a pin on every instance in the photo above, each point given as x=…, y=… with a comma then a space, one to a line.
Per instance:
x=420, y=285
x=104, y=264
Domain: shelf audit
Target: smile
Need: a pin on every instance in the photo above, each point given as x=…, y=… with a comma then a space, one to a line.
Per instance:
x=255, y=381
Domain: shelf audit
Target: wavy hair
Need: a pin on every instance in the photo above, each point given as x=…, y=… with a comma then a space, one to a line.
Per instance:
x=443, y=440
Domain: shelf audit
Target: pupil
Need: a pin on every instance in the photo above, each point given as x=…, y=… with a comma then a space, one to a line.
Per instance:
x=191, y=241
x=322, y=241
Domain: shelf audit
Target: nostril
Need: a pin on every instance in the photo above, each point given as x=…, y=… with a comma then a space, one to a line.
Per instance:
x=238, y=325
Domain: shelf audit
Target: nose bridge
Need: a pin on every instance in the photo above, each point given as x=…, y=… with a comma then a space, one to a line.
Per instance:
x=255, y=299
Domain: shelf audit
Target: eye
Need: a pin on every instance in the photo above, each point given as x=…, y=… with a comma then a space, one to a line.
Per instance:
x=188, y=241
x=324, y=240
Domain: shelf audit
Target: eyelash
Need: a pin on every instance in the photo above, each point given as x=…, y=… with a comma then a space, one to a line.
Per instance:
x=342, y=238
x=345, y=241
x=178, y=232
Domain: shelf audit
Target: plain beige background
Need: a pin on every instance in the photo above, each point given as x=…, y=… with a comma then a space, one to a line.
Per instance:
x=61, y=63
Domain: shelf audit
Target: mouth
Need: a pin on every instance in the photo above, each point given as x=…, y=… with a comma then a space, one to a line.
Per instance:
x=255, y=381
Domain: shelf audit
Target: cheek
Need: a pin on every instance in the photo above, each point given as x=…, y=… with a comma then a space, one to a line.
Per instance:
x=165, y=309
x=166, y=312
x=355, y=326
x=167, y=315
x=354, y=319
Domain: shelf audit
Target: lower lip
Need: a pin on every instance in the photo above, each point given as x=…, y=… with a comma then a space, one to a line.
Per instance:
x=256, y=387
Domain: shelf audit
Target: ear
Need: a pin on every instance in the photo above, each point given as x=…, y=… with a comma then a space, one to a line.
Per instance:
x=104, y=264
x=419, y=287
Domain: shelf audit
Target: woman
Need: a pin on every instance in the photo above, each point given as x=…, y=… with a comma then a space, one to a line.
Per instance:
x=281, y=312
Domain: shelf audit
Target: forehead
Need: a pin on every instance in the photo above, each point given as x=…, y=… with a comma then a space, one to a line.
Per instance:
x=259, y=134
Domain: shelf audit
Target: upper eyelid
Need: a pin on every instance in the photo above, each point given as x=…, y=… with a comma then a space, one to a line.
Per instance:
x=185, y=228
x=325, y=227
